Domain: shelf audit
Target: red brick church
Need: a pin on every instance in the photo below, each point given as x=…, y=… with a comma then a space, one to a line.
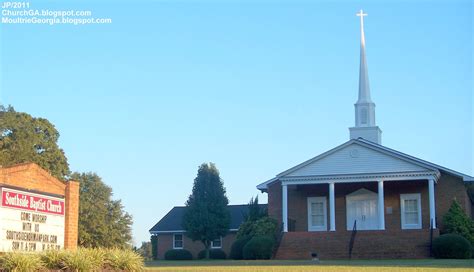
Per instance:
x=362, y=199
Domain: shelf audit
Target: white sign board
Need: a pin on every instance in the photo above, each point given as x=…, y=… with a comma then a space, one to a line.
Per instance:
x=30, y=221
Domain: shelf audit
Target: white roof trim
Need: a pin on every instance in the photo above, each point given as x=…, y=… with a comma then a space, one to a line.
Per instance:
x=263, y=186
x=425, y=164
x=359, y=178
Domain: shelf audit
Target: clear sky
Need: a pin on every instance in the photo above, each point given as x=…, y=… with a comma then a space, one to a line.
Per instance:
x=255, y=87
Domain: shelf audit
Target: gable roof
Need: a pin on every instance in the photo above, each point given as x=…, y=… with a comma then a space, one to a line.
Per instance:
x=172, y=221
x=398, y=159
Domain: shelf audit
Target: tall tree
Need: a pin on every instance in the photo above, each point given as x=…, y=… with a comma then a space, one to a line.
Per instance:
x=102, y=220
x=207, y=217
x=24, y=138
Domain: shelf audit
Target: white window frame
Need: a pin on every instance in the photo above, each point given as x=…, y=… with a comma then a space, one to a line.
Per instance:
x=182, y=241
x=325, y=209
x=212, y=243
x=404, y=197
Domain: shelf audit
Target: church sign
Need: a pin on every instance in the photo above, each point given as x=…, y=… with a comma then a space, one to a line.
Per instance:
x=31, y=221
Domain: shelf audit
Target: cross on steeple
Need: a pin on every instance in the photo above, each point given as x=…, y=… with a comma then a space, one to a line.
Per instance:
x=361, y=14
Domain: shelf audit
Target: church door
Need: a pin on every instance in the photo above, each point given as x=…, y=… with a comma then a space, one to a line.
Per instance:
x=361, y=206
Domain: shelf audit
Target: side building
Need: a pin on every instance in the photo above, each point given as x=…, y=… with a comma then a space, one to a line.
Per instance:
x=171, y=235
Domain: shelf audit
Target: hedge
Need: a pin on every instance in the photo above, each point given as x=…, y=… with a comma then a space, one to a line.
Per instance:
x=178, y=254
x=258, y=248
x=451, y=246
x=216, y=254
x=236, y=250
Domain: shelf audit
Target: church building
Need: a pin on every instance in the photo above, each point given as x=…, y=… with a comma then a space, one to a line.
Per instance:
x=362, y=199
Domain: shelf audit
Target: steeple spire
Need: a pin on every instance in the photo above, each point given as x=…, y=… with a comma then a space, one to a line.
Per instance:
x=364, y=88
x=365, y=126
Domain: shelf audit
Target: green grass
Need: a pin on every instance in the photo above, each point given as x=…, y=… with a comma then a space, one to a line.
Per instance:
x=307, y=266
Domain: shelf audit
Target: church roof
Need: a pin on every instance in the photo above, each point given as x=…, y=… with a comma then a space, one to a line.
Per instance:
x=172, y=221
x=373, y=158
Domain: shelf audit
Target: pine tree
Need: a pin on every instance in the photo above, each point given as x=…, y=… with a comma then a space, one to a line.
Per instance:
x=207, y=217
x=456, y=221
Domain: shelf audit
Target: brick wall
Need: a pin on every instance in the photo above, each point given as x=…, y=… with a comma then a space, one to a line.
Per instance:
x=367, y=244
x=165, y=243
x=447, y=189
x=72, y=215
x=29, y=176
x=274, y=201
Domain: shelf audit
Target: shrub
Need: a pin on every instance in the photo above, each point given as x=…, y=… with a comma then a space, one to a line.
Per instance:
x=178, y=254
x=259, y=247
x=456, y=221
x=264, y=226
x=451, y=246
x=214, y=253
x=123, y=260
x=237, y=248
x=53, y=259
x=18, y=262
x=81, y=260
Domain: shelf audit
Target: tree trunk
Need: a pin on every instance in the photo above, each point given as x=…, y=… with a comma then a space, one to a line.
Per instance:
x=207, y=246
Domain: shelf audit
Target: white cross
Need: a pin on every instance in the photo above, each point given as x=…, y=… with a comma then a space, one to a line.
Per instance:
x=361, y=14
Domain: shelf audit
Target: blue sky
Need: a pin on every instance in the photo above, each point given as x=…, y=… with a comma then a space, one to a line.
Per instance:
x=255, y=87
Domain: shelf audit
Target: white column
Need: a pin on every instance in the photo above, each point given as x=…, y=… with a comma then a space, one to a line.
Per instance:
x=284, y=207
x=431, y=194
x=381, y=206
x=332, y=208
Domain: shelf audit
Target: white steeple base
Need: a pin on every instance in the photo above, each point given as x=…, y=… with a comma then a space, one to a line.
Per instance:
x=373, y=134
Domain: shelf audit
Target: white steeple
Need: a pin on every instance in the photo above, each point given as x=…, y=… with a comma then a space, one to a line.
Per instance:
x=364, y=107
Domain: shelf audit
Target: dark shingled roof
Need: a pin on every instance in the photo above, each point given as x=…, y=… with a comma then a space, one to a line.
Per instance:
x=172, y=221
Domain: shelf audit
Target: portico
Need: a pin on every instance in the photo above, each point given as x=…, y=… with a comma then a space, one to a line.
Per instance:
x=362, y=205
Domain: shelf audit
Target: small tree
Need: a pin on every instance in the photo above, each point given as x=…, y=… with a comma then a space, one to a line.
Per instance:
x=145, y=250
x=456, y=221
x=255, y=212
x=207, y=217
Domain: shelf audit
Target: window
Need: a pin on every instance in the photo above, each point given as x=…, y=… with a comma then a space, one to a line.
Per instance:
x=177, y=241
x=410, y=211
x=217, y=243
x=317, y=218
x=363, y=116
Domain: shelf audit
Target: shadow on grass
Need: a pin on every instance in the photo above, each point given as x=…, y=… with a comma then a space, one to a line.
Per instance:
x=435, y=263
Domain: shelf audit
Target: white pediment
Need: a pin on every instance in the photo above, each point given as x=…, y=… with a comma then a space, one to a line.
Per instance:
x=353, y=159
x=362, y=193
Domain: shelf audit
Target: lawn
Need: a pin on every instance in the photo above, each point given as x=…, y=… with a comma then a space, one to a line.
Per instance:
x=306, y=266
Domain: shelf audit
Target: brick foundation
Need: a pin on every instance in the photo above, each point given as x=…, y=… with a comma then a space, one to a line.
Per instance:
x=367, y=244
